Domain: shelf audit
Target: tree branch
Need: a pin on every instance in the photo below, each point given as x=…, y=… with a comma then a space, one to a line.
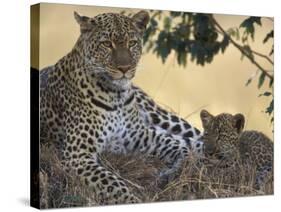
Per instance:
x=264, y=56
x=241, y=49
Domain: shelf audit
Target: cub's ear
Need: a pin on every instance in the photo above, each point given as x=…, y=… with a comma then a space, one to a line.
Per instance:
x=86, y=23
x=239, y=122
x=141, y=20
x=206, y=118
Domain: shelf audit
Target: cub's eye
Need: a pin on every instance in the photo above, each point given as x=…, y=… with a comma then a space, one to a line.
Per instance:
x=132, y=43
x=107, y=44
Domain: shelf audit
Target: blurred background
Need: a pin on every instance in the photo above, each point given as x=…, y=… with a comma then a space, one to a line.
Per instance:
x=181, y=85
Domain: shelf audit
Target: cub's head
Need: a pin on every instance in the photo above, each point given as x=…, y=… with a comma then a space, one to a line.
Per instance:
x=221, y=132
x=111, y=43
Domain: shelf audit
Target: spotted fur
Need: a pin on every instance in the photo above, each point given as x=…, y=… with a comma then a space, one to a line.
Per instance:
x=224, y=138
x=88, y=105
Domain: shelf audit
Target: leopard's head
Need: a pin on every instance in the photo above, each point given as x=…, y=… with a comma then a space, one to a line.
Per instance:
x=221, y=132
x=111, y=43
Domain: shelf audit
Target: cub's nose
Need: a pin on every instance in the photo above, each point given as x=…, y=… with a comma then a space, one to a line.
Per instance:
x=123, y=68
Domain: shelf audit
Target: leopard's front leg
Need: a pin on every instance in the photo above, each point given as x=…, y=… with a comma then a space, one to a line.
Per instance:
x=81, y=157
x=172, y=151
x=107, y=187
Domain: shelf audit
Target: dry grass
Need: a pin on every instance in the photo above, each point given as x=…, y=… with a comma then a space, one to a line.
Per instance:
x=60, y=189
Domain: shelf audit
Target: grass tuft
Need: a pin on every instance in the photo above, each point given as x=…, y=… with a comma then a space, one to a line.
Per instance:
x=59, y=189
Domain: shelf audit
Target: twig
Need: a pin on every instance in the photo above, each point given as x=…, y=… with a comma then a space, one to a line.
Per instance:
x=133, y=184
x=107, y=163
x=240, y=48
x=166, y=72
x=212, y=191
x=263, y=56
x=195, y=111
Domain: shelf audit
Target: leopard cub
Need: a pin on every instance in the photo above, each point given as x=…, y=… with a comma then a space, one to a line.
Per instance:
x=225, y=139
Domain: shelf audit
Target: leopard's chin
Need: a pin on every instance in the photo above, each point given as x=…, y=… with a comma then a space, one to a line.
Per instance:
x=114, y=82
x=123, y=83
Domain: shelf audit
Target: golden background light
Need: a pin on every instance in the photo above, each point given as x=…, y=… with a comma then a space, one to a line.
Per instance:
x=217, y=87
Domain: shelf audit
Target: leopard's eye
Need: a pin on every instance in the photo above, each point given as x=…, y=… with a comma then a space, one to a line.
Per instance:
x=132, y=43
x=107, y=44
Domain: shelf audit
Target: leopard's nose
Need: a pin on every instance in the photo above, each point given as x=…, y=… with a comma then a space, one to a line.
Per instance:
x=123, y=68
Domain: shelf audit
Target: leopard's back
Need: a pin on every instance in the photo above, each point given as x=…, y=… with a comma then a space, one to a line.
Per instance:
x=256, y=147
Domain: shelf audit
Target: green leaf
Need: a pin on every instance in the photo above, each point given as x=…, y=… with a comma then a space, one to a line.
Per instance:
x=269, y=35
x=234, y=32
x=149, y=46
x=249, y=81
x=153, y=22
x=167, y=23
x=248, y=25
x=242, y=56
x=182, y=31
x=231, y=32
x=163, y=45
x=150, y=31
x=182, y=58
x=271, y=82
x=237, y=34
x=261, y=80
x=249, y=22
x=244, y=37
x=267, y=93
x=175, y=14
x=248, y=51
x=270, y=108
x=224, y=43
x=272, y=51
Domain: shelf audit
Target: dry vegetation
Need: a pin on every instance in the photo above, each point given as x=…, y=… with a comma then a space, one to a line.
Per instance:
x=60, y=189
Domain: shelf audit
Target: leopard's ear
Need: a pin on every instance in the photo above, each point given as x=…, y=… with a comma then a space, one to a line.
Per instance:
x=206, y=118
x=141, y=20
x=86, y=23
x=239, y=122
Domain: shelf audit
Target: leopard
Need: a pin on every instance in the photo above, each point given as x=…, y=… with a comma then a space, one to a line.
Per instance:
x=89, y=105
x=225, y=139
